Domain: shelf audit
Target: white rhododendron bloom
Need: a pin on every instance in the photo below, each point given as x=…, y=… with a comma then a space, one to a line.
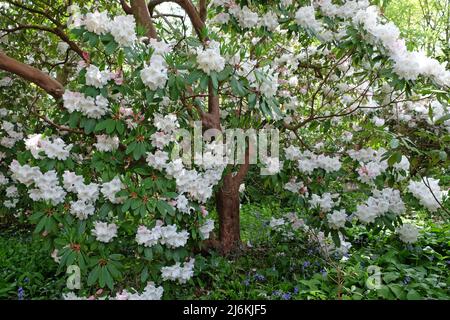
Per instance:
x=210, y=59
x=97, y=78
x=160, y=47
x=207, y=228
x=123, y=29
x=110, y=189
x=178, y=272
x=337, y=219
x=183, y=204
x=275, y=223
x=104, y=232
x=305, y=16
x=92, y=108
x=325, y=202
x=97, y=22
x=269, y=20
x=107, y=143
x=146, y=237
x=151, y=292
x=56, y=149
x=380, y=203
x=82, y=209
x=428, y=192
x=408, y=233
x=154, y=75
x=158, y=160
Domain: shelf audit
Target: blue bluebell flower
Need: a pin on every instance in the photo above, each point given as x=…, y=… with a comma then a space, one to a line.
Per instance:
x=286, y=296
x=20, y=293
x=259, y=277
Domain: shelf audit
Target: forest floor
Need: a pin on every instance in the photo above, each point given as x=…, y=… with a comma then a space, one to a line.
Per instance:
x=271, y=266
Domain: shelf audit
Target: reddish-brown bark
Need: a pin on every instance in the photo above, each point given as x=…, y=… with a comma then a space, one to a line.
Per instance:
x=41, y=79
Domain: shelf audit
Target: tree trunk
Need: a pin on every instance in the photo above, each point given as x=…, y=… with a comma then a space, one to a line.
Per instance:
x=227, y=204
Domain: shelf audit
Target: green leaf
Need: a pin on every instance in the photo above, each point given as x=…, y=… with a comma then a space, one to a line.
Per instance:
x=214, y=80
x=108, y=279
x=144, y=274
x=111, y=47
x=443, y=119
x=237, y=87
x=110, y=126
x=148, y=253
x=390, y=276
x=413, y=295
x=336, y=239
x=93, y=275
x=397, y=290
x=396, y=157
x=120, y=127
x=89, y=126
x=74, y=119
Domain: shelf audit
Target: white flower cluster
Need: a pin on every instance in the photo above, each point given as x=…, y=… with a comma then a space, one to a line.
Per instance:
x=160, y=47
x=430, y=199
x=106, y=143
x=13, y=134
x=206, y=229
x=195, y=184
x=307, y=161
x=56, y=149
x=87, y=195
x=90, y=107
x=414, y=112
x=46, y=185
x=97, y=78
x=371, y=163
x=408, y=233
x=295, y=222
x=104, y=232
x=245, y=17
x=110, y=189
x=380, y=203
x=209, y=59
x=122, y=28
x=408, y=65
x=6, y=81
x=337, y=219
x=3, y=180
x=12, y=193
x=325, y=202
x=269, y=20
x=151, y=292
x=306, y=17
x=154, y=75
x=276, y=223
x=167, y=235
x=182, y=204
x=296, y=187
x=326, y=244
x=178, y=272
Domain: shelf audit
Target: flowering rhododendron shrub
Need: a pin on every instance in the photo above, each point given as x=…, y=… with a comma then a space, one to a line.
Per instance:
x=93, y=133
